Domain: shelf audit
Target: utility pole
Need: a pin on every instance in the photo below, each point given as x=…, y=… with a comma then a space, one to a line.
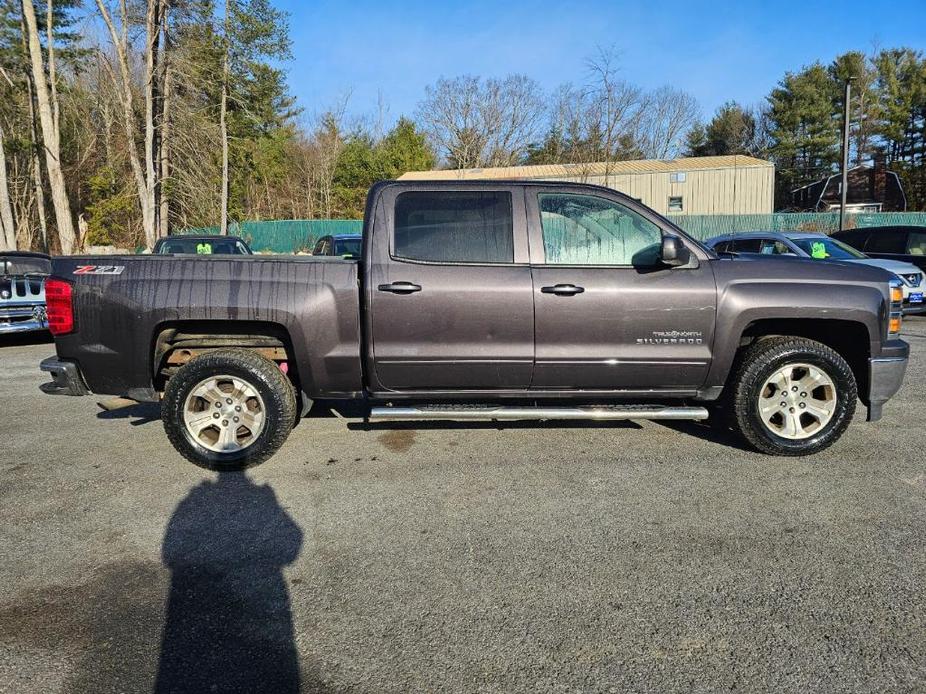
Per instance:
x=845, y=156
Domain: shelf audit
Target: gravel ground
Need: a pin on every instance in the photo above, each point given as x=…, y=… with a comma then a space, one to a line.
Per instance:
x=599, y=557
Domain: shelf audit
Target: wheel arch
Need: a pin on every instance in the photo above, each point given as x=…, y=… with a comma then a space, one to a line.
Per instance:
x=850, y=339
x=174, y=343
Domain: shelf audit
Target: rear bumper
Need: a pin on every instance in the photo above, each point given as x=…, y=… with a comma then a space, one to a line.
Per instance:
x=66, y=378
x=885, y=376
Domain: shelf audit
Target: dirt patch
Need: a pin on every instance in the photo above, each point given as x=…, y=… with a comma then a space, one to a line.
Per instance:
x=398, y=440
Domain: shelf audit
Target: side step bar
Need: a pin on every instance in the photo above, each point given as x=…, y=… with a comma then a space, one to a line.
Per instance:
x=508, y=414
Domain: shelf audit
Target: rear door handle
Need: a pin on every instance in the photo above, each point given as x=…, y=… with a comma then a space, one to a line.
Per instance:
x=563, y=289
x=400, y=287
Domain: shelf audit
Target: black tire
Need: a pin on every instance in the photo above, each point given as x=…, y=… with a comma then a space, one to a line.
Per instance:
x=263, y=375
x=758, y=363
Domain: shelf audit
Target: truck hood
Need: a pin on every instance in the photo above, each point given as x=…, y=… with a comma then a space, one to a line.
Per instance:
x=799, y=270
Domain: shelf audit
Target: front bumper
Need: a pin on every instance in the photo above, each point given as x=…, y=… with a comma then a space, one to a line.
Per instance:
x=885, y=376
x=66, y=378
x=22, y=319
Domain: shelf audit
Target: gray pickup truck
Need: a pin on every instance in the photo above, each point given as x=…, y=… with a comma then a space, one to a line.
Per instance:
x=492, y=300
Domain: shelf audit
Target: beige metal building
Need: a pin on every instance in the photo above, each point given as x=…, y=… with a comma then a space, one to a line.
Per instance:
x=734, y=184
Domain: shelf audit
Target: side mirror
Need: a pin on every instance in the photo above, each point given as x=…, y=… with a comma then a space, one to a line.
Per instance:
x=673, y=252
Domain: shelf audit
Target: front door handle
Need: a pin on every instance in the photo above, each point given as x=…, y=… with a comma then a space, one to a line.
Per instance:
x=400, y=287
x=563, y=289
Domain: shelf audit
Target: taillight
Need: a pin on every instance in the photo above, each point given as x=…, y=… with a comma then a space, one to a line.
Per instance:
x=59, y=306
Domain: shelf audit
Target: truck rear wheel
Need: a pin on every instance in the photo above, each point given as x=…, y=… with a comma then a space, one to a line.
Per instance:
x=228, y=409
x=792, y=396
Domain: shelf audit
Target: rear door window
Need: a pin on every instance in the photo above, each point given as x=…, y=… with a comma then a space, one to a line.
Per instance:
x=748, y=245
x=454, y=226
x=887, y=241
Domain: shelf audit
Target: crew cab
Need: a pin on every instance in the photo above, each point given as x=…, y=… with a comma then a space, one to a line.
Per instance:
x=482, y=300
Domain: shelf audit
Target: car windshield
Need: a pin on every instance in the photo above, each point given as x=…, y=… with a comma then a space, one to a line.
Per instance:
x=201, y=246
x=349, y=247
x=24, y=265
x=825, y=248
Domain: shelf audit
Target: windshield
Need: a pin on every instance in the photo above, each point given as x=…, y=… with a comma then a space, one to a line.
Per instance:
x=825, y=248
x=202, y=246
x=349, y=247
x=24, y=265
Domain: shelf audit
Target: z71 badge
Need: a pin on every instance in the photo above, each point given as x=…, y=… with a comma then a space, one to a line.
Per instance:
x=99, y=269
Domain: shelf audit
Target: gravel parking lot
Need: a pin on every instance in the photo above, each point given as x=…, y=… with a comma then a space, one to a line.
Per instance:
x=564, y=557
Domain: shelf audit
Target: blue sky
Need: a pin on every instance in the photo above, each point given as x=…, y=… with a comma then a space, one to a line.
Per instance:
x=716, y=51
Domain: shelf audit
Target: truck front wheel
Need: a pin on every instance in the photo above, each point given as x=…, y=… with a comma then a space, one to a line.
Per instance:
x=792, y=396
x=228, y=409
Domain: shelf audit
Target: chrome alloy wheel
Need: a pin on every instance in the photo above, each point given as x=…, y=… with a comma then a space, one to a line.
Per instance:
x=797, y=401
x=224, y=414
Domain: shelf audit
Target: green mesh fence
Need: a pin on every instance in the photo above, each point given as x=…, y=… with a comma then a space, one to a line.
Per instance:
x=286, y=235
x=294, y=235
x=705, y=226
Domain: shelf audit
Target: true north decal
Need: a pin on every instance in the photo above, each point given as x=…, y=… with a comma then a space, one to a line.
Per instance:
x=99, y=269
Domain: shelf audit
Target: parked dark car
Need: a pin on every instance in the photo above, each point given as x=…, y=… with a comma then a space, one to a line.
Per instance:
x=201, y=245
x=22, y=291
x=343, y=245
x=489, y=300
x=906, y=243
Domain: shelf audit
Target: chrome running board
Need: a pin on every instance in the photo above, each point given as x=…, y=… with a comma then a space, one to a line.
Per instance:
x=506, y=414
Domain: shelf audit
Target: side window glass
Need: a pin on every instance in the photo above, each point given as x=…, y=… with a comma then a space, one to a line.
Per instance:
x=916, y=243
x=748, y=245
x=885, y=242
x=588, y=230
x=454, y=226
x=319, y=245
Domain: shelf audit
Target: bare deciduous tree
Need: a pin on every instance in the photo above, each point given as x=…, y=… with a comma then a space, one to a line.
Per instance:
x=475, y=123
x=146, y=176
x=46, y=96
x=669, y=114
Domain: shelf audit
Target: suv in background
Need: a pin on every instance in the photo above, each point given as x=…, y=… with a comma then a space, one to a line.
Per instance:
x=822, y=247
x=22, y=291
x=201, y=245
x=906, y=243
x=341, y=245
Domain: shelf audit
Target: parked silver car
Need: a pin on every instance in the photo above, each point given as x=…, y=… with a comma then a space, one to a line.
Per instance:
x=22, y=291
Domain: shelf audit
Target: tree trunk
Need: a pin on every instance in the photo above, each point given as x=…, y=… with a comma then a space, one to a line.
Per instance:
x=223, y=125
x=124, y=85
x=8, y=240
x=36, y=167
x=164, y=164
x=152, y=119
x=51, y=136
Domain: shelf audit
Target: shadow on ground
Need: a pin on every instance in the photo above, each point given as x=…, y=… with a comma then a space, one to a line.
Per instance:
x=226, y=627
x=139, y=413
x=22, y=339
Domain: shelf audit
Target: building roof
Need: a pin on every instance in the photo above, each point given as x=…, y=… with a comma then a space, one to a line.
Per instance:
x=601, y=168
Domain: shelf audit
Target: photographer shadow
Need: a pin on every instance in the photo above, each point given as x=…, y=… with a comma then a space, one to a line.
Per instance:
x=228, y=624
